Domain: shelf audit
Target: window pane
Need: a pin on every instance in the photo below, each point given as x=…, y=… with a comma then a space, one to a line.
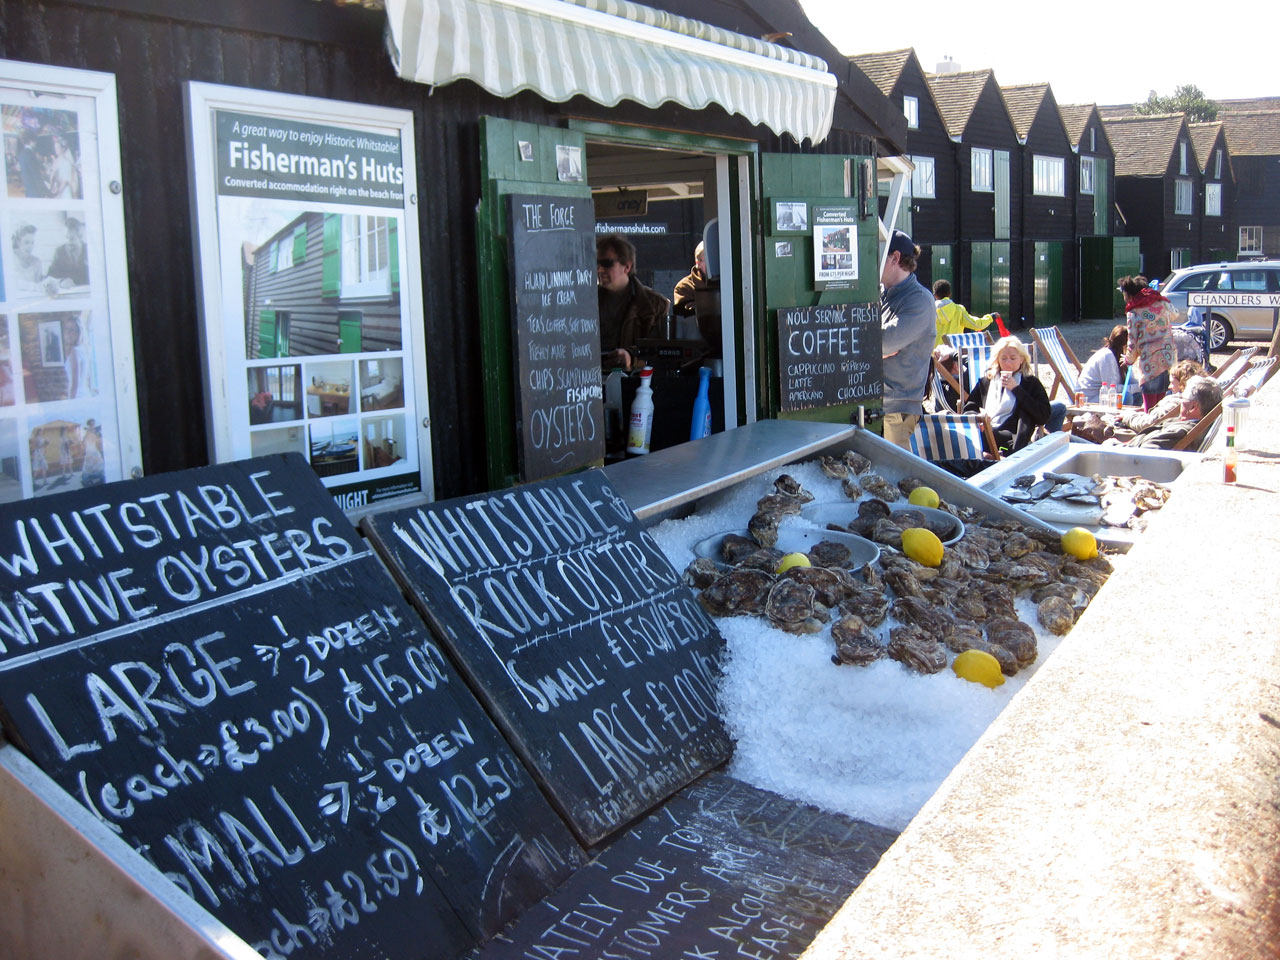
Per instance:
x=1254, y=280
x=1086, y=174
x=911, y=110
x=1213, y=199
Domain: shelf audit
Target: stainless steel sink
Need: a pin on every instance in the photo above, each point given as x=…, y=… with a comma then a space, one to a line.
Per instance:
x=1118, y=462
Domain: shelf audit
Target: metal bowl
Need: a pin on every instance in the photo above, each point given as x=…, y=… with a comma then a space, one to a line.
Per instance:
x=844, y=512
x=799, y=538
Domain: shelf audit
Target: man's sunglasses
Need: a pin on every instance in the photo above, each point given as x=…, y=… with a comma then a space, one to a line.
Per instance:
x=606, y=263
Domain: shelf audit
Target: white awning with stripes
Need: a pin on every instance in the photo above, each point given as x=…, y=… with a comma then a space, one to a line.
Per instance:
x=610, y=50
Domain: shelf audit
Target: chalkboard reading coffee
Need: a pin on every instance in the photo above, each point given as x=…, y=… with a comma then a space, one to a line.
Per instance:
x=220, y=670
x=596, y=660
x=721, y=870
x=559, y=398
x=829, y=355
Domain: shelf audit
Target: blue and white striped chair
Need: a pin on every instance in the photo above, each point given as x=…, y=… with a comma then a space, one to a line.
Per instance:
x=1062, y=361
x=976, y=351
x=953, y=436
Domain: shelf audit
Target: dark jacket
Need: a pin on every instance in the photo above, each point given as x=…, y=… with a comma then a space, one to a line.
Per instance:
x=1163, y=436
x=683, y=305
x=1030, y=410
x=644, y=308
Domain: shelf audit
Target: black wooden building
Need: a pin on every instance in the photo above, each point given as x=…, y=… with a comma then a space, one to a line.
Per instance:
x=1253, y=138
x=1048, y=293
x=1217, y=194
x=989, y=189
x=153, y=47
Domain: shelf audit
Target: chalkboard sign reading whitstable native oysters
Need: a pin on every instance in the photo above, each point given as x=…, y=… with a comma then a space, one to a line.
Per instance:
x=556, y=338
x=218, y=668
x=596, y=661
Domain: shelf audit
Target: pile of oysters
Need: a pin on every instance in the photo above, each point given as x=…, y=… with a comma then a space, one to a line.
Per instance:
x=965, y=603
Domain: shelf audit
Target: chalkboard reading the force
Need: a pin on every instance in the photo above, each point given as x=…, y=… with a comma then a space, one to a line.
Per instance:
x=594, y=657
x=720, y=870
x=220, y=670
x=559, y=398
x=829, y=355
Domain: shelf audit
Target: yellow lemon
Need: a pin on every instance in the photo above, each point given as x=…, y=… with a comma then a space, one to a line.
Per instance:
x=978, y=666
x=1080, y=543
x=793, y=560
x=922, y=546
x=923, y=497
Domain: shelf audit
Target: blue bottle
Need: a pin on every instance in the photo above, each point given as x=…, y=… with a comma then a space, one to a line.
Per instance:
x=701, y=425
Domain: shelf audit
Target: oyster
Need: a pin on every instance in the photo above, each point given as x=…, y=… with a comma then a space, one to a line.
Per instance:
x=903, y=582
x=764, y=527
x=907, y=484
x=1020, y=576
x=788, y=486
x=1015, y=636
x=734, y=548
x=967, y=637
x=916, y=650
x=923, y=614
x=867, y=603
x=792, y=606
x=968, y=553
x=1083, y=572
x=909, y=518
x=702, y=573
x=736, y=592
x=855, y=643
x=887, y=531
x=851, y=488
x=878, y=486
x=834, y=468
x=997, y=598
x=770, y=510
x=1055, y=615
x=857, y=462
x=1066, y=591
x=828, y=553
x=764, y=558
x=830, y=586
x=872, y=577
x=1017, y=545
x=874, y=509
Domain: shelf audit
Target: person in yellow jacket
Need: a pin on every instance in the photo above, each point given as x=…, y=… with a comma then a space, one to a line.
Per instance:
x=952, y=317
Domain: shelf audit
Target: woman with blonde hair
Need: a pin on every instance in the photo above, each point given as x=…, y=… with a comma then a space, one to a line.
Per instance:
x=1010, y=395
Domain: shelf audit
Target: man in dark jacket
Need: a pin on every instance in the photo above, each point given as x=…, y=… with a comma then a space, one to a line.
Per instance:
x=683, y=304
x=628, y=309
x=1201, y=395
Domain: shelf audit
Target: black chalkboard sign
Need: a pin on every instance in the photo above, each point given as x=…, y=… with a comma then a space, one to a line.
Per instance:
x=219, y=668
x=597, y=662
x=559, y=395
x=721, y=870
x=829, y=355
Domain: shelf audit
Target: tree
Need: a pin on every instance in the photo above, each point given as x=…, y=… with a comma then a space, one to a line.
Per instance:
x=1187, y=98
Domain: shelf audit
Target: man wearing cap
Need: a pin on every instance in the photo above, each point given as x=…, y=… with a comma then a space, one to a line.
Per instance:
x=71, y=260
x=908, y=321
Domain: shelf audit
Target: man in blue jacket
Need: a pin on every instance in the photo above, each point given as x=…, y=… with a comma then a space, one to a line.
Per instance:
x=908, y=324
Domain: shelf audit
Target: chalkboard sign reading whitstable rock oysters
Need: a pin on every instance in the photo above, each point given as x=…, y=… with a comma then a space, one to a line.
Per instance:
x=219, y=669
x=829, y=355
x=597, y=662
x=559, y=398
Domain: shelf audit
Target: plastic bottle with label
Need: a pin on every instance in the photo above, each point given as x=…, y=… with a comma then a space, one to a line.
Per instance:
x=701, y=425
x=1229, y=457
x=1107, y=395
x=641, y=429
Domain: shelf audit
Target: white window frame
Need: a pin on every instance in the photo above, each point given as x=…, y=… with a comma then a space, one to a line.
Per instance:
x=1086, y=175
x=360, y=234
x=1183, y=197
x=923, y=181
x=1093, y=138
x=1182, y=157
x=284, y=253
x=1217, y=164
x=981, y=170
x=911, y=110
x=1049, y=176
x=1213, y=199
x=1250, y=240
x=1179, y=257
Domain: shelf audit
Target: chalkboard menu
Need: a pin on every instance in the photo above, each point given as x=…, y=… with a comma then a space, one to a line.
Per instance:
x=721, y=870
x=559, y=398
x=220, y=670
x=598, y=663
x=829, y=355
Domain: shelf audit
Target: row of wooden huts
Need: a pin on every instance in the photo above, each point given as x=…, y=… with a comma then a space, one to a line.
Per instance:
x=1032, y=208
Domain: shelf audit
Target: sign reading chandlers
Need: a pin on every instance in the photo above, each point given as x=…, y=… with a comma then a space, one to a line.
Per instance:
x=829, y=355
x=596, y=661
x=215, y=664
x=559, y=400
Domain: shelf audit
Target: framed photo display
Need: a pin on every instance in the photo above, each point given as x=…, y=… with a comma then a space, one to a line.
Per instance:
x=307, y=260
x=68, y=413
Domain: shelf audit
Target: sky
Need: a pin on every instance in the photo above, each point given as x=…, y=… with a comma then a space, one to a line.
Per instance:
x=1078, y=54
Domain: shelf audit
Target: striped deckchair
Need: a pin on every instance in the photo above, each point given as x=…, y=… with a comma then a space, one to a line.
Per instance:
x=938, y=380
x=1259, y=372
x=976, y=351
x=1062, y=361
x=953, y=436
x=1234, y=366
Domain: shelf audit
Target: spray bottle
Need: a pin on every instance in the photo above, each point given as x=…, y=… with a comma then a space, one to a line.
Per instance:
x=701, y=425
x=641, y=416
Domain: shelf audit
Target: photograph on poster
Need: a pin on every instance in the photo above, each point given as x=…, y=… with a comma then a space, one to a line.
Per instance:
x=66, y=453
x=42, y=153
x=381, y=384
x=10, y=463
x=59, y=361
x=48, y=255
x=793, y=215
x=278, y=440
x=8, y=392
x=782, y=248
x=526, y=151
x=329, y=388
x=334, y=448
x=568, y=163
x=384, y=441
x=316, y=283
x=275, y=393
x=833, y=253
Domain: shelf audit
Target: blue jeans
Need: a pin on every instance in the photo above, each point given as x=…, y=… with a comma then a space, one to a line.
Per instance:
x=1057, y=413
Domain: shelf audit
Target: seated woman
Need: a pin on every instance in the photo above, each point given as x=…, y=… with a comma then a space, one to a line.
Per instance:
x=1104, y=365
x=1010, y=395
